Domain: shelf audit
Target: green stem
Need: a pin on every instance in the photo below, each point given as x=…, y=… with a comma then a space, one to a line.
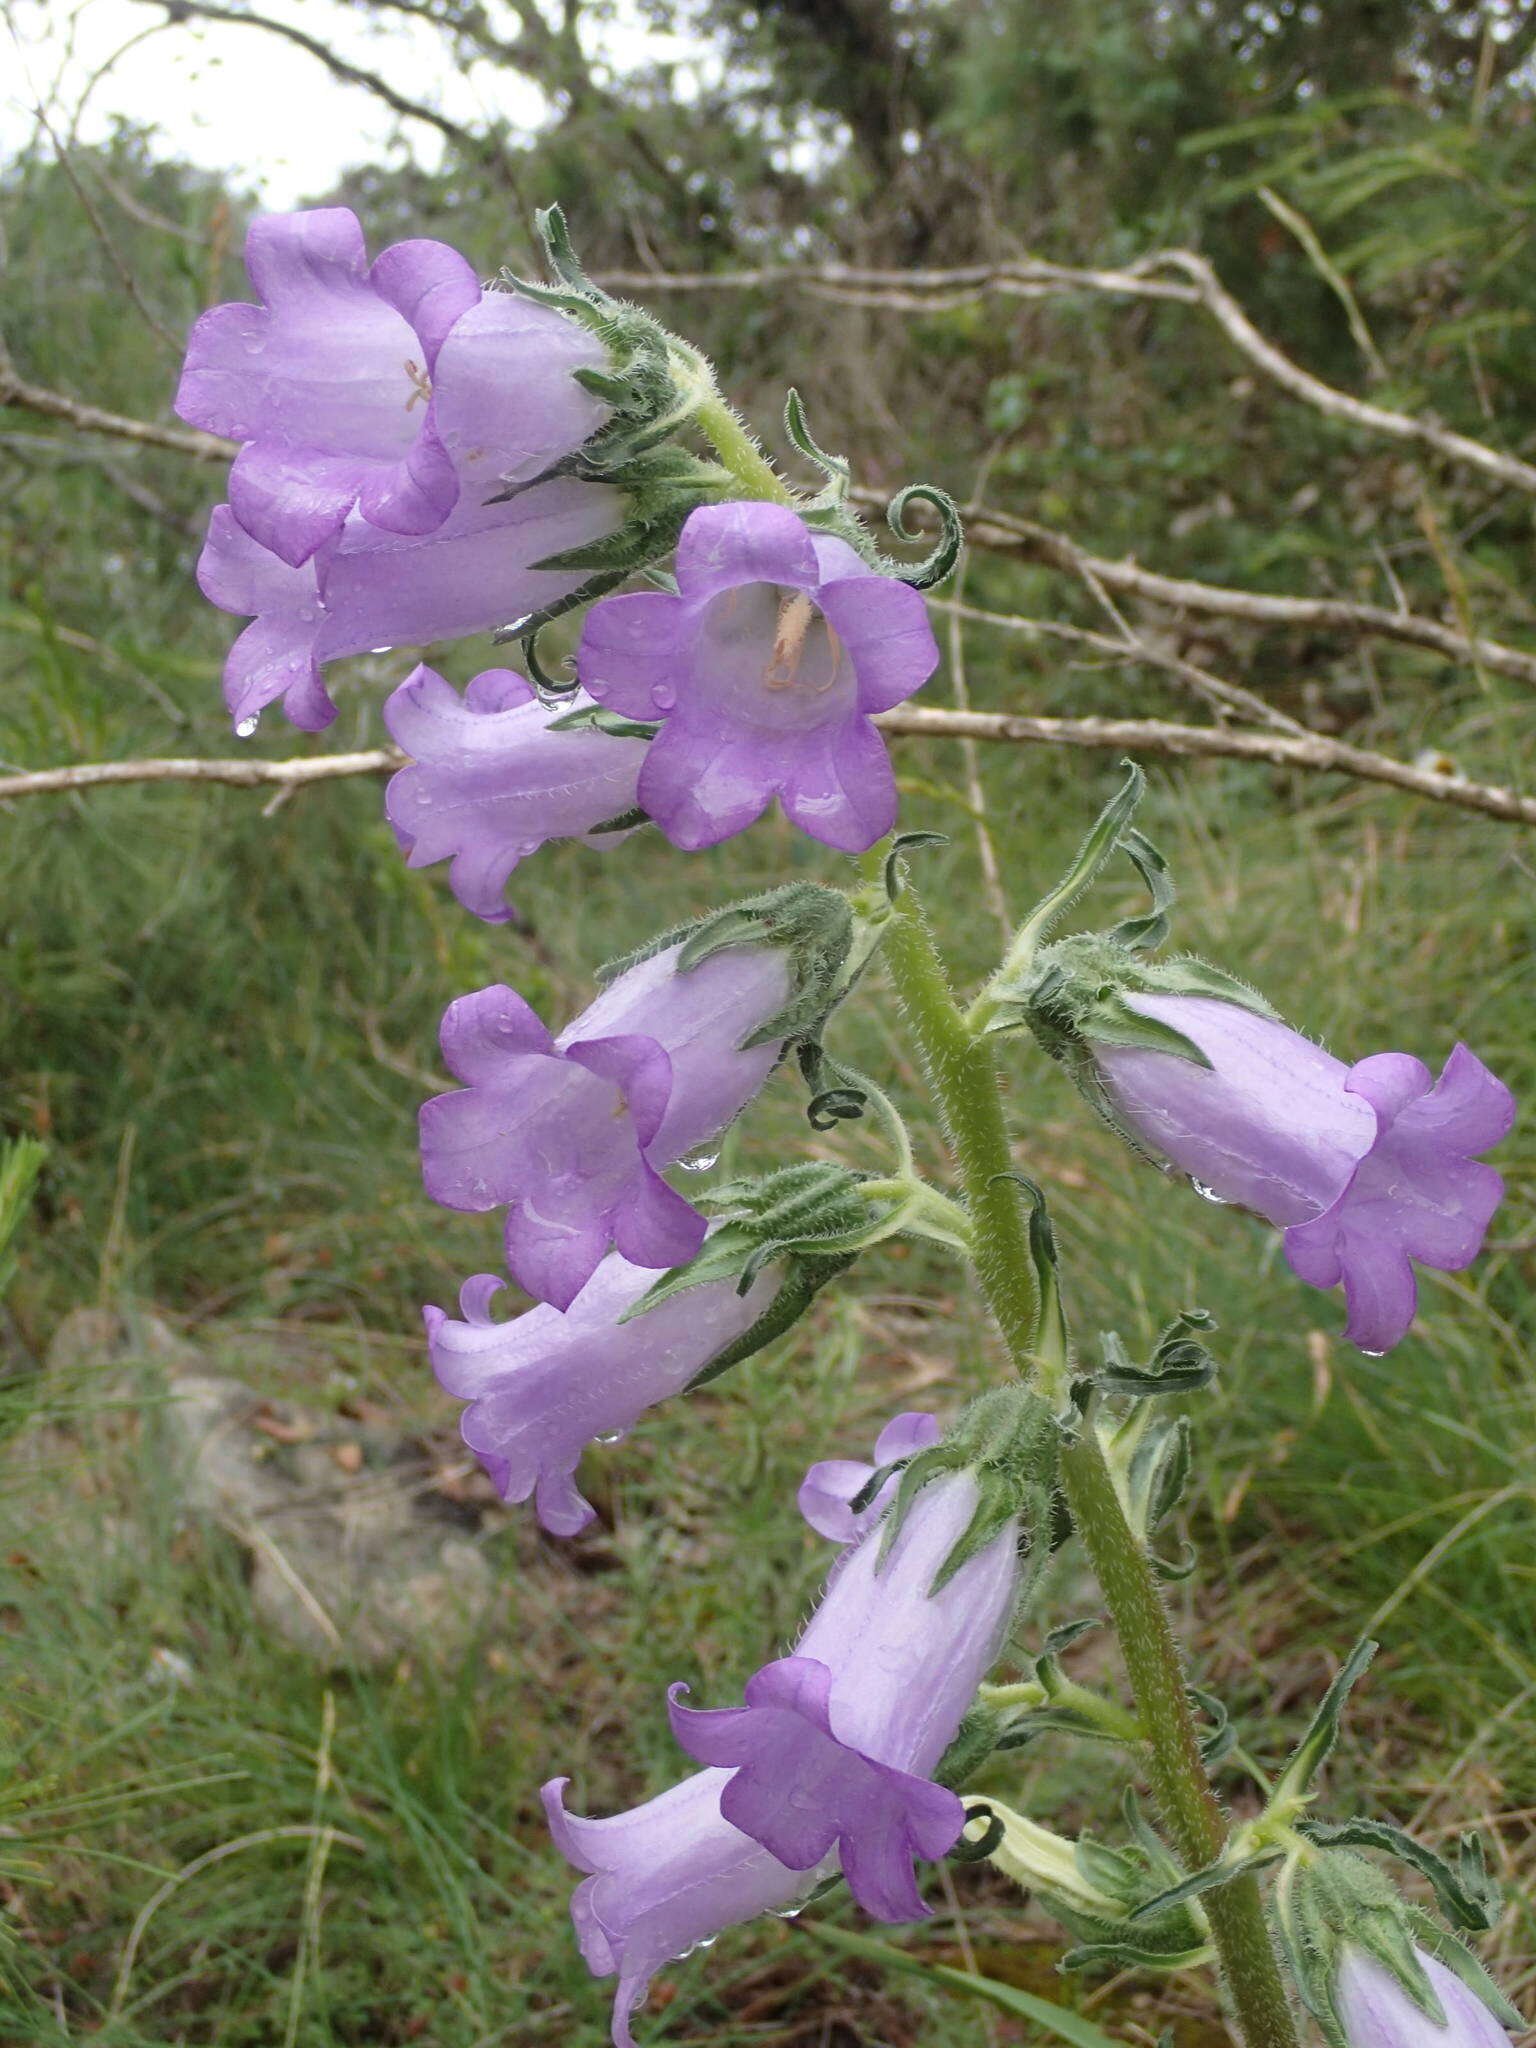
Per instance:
x=965, y=1090
x=737, y=447
x=960, y=1071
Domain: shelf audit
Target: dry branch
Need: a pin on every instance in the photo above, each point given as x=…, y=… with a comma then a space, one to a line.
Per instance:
x=1314, y=752
x=916, y=290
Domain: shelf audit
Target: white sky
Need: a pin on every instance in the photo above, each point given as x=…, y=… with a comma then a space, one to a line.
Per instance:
x=241, y=100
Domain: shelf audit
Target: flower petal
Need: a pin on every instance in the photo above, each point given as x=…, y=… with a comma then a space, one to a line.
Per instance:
x=840, y=788
x=745, y=541
x=884, y=625
x=631, y=648
x=702, y=786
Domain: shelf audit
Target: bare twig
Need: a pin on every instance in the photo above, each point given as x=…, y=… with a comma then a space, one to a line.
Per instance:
x=914, y=291
x=1311, y=751
x=93, y=419
x=1003, y=533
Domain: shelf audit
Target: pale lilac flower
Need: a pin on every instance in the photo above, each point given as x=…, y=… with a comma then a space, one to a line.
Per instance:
x=492, y=783
x=545, y=1385
x=1365, y=1168
x=568, y=1133
x=828, y=1763
x=373, y=590
x=393, y=388
x=765, y=670
x=1376, y=2012
x=829, y=1488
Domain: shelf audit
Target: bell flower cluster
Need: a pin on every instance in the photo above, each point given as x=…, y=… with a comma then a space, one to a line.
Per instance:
x=381, y=408
x=827, y=1765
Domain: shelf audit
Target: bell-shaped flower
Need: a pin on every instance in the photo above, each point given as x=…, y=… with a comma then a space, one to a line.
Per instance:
x=827, y=1765
x=764, y=669
x=491, y=782
x=368, y=589
x=567, y=1134
x=1367, y=1168
x=545, y=1385
x=1376, y=2011
x=393, y=389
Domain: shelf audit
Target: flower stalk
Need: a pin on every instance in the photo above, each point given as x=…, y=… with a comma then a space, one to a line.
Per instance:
x=963, y=1078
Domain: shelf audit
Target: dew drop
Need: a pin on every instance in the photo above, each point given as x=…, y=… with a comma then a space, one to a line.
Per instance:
x=246, y=727
x=1208, y=1194
x=381, y=650
x=609, y=1436
x=1369, y=1354
x=663, y=697
x=704, y=1160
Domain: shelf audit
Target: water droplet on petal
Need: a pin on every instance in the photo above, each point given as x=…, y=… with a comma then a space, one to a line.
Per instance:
x=663, y=697
x=246, y=727
x=1207, y=1194
x=609, y=1436
x=704, y=1160
x=381, y=650
x=786, y=1912
x=1369, y=1354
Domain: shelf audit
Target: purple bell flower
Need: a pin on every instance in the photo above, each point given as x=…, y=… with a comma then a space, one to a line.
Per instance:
x=1366, y=1168
x=492, y=783
x=393, y=389
x=764, y=670
x=568, y=1133
x=545, y=1385
x=368, y=589
x=1376, y=2012
x=827, y=1763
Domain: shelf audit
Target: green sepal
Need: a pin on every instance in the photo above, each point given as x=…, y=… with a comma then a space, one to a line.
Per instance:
x=941, y=559
x=799, y=1218
x=653, y=382
x=805, y=1274
x=1469, y=1895
x=904, y=843
x=1009, y=1440
x=972, y=1743
x=1179, y=1364
x=1147, y=932
x=798, y=1211
x=812, y=923
x=1210, y=1879
x=1098, y=848
x=598, y=718
x=1322, y=1733
x=834, y=468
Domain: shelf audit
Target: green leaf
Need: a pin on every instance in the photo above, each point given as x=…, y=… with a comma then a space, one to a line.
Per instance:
x=1054, y=2019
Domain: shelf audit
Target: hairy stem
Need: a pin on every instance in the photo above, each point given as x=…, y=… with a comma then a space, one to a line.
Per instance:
x=961, y=1073
x=739, y=452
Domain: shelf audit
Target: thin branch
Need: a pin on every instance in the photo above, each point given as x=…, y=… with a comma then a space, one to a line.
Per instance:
x=93, y=419
x=487, y=150
x=1003, y=533
x=914, y=290
x=1314, y=752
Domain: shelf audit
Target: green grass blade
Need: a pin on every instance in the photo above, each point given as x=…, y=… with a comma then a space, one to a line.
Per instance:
x=1055, y=2019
